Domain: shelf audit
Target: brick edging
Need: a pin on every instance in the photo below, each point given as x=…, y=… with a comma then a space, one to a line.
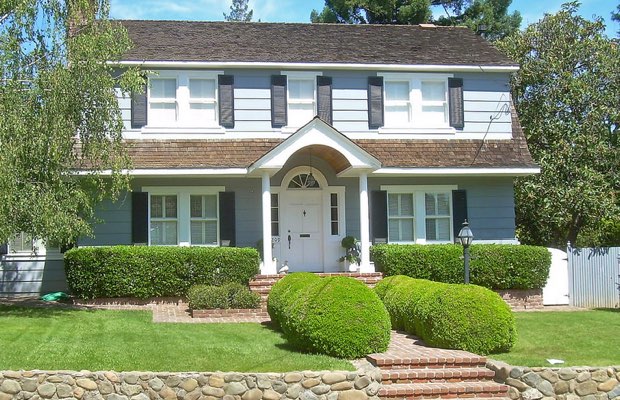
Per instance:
x=229, y=312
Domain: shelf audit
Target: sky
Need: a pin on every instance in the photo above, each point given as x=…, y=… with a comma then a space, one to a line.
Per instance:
x=299, y=10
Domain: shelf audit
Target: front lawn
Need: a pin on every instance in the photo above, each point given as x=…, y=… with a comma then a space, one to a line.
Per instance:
x=579, y=338
x=54, y=339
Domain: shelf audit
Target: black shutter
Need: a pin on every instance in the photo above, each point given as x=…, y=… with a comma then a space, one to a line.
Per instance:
x=375, y=102
x=139, y=217
x=278, y=101
x=226, y=94
x=324, y=96
x=139, y=106
x=227, y=217
x=459, y=210
x=379, y=217
x=455, y=98
x=4, y=249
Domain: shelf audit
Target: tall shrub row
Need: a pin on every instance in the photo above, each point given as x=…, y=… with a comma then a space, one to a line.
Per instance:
x=493, y=266
x=465, y=317
x=337, y=316
x=137, y=271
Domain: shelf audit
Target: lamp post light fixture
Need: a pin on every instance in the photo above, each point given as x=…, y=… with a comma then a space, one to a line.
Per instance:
x=466, y=236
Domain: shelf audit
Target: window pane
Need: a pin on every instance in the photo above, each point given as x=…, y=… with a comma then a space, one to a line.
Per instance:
x=163, y=88
x=429, y=200
x=202, y=112
x=210, y=206
x=275, y=229
x=334, y=228
x=170, y=229
x=431, y=231
x=393, y=204
x=300, y=113
x=406, y=233
x=162, y=112
x=406, y=204
x=196, y=206
x=274, y=214
x=443, y=229
x=395, y=115
x=433, y=91
x=156, y=207
x=397, y=91
x=443, y=204
x=334, y=213
x=21, y=243
x=301, y=89
x=434, y=114
x=171, y=207
x=164, y=233
x=202, y=89
x=204, y=232
x=334, y=199
x=274, y=200
x=393, y=230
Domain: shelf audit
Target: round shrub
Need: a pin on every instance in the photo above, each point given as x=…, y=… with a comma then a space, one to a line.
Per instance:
x=284, y=288
x=466, y=317
x=207, y=297
x=337, y=316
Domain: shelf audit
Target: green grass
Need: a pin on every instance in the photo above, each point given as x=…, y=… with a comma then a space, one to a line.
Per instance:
x=54, y=338
x=579, y=338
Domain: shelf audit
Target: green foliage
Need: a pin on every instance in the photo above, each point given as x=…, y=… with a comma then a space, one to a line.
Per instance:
x=605, y=234
x=230, y=295
x=56, y=90
x=567, y=94
x=493, y=266
x=615, y=16
x=465, y=317
x=239, y=12
x=286, y=288
x=136, y=271
x=493, y=14
x=337, y=316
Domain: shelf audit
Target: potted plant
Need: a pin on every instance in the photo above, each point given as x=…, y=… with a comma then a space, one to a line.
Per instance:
x=353, y=253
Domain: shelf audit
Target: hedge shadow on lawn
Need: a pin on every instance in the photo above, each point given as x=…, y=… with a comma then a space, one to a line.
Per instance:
x=40, y=310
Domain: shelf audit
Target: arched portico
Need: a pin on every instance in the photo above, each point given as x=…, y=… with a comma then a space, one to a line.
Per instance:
x=306, y=212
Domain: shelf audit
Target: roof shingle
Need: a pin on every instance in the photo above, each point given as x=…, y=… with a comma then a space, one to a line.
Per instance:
x=308, y=43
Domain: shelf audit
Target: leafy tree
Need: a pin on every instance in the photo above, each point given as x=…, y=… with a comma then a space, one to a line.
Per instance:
x=59, y=113
x=615, y=16
x=567, y=94
x=239, y=12
x=374, y=12
x=492, y=14
x=488, y=17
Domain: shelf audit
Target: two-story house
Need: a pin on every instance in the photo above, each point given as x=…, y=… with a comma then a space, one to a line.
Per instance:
x=293, y=136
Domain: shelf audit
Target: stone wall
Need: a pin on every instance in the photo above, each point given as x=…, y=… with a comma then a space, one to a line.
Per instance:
x=576, y=383
x=531, y=299
x=85, y=385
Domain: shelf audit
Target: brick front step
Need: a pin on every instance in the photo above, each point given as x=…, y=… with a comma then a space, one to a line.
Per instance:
x=387, y=362
x=389, y=377
x=443, y=390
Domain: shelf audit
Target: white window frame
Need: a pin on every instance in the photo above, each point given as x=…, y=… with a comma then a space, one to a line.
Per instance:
x=183, y=194
x=417, y=120
x=292, y=126
x=418, y=192
x=39, y=251
x=183, y=101
x=206, y=219
x=163, y=219
x=439, y=216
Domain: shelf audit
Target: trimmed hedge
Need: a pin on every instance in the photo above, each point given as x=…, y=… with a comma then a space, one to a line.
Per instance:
x=336, y=316
x=494, y=266
x=140, y=271
x=465, y=317
x=284, y=290
x=231, y=295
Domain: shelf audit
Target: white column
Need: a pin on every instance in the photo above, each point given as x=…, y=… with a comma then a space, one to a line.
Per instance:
x=364, y=224
x=268, y=266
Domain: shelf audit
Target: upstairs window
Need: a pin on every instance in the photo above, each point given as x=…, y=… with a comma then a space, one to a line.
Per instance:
x=301, y=102
x=183, y=100
x=416, y=100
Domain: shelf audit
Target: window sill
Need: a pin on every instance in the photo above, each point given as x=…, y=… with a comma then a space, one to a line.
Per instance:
x=418, y=130
x=182, y=130
x=32, y=257
x=291, y=129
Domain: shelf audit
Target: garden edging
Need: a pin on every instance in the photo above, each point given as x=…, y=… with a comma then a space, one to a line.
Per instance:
x=362, y=384
x=567, y=383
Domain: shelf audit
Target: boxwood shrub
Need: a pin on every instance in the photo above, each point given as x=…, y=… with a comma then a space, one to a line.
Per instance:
x=140, y=271
x=465, y=317
x=284, y=291
x=230, y=295
x=493, y=266
x=337, y=316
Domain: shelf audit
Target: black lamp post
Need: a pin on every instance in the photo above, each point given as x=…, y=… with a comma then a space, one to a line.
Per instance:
x=466, y=236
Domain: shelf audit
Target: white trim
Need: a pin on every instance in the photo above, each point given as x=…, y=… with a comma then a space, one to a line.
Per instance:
x=407, y=132
x=163, y=190
x=418, y=188
x=180, y=172
x=333, y=66
x=457, y=171
x=176, y=131
x=417, y=76
x=307, y=75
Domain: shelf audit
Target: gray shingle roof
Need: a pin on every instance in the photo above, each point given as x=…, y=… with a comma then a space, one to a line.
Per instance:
x=308, y=43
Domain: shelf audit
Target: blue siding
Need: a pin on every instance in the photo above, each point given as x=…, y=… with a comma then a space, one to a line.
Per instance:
x=112, y=225
x=32, y=276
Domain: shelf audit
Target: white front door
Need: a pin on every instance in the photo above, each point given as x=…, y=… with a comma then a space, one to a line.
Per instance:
x=302, y=233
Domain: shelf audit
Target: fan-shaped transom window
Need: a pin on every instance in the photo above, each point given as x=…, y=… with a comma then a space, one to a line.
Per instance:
x=304, y=181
